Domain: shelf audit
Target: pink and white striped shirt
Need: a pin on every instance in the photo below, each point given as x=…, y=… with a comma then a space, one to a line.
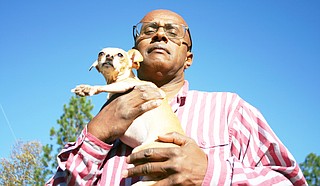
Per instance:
x=241, y=147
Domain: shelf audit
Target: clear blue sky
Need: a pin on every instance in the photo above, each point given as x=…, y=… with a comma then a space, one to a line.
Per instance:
x=266, y=51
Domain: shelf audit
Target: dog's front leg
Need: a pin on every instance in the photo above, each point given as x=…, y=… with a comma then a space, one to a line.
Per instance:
x=118, y=87
x=86, y=90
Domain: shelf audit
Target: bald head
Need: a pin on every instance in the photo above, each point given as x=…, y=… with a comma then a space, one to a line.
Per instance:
x=165, y=15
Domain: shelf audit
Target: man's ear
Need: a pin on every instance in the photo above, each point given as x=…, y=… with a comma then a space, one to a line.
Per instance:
x=135, y=57
x=95, y=64
x=188, y=61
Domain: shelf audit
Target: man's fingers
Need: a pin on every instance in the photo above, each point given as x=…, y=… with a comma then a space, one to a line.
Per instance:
x=175, y=138
x=152, y=169
x=150, y=92
x=150, y=155
x=149, y=105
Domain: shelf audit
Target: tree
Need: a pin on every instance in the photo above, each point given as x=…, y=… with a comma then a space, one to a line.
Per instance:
x=72, y=121
x=311, y=169
x=24, y=160
x=74, y=118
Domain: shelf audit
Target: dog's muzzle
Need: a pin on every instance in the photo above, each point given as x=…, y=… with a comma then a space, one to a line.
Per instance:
x=107, y=63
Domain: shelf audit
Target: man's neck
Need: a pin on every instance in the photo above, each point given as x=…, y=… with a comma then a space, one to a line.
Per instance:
x=172, y=88
x=171, y=85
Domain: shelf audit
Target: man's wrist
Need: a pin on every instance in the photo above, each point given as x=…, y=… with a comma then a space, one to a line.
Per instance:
x=100, y=131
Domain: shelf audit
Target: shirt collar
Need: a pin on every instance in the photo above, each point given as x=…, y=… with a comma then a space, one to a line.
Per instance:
x=180, y=98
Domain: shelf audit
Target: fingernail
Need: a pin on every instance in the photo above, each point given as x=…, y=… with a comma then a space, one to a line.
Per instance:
x=139, y=87
x=163, y=94
x=130, y=166
x=157, y=102
x=124, y=174
x=144, y=95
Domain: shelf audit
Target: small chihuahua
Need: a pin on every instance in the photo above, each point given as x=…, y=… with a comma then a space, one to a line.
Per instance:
x=116, y=66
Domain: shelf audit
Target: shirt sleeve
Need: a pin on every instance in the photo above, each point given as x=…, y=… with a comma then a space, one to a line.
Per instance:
x=257, y=156
x=80, y=162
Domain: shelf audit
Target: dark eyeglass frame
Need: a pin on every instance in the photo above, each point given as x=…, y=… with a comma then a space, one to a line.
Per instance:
x=186, y=29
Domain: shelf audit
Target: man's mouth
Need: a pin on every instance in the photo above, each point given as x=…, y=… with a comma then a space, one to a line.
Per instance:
x=158, y=48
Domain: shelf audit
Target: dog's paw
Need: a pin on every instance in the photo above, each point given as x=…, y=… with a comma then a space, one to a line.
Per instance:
x=84, y=90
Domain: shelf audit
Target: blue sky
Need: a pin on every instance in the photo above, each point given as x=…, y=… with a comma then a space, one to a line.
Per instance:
x=266, y=51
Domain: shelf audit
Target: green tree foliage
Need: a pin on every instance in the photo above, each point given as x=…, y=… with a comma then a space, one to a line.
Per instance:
x=74, y=118
x=311, y=169
x=41, y=175
x=76, y=115
x=19, y=168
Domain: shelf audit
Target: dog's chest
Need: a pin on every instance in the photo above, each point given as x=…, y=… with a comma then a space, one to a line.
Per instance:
x=144, y=129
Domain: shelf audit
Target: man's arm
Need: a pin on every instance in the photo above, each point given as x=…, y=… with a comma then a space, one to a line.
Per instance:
x=80, y=162
x=258, y=157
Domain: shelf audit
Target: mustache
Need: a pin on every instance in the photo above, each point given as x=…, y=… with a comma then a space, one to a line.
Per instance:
x=154, y=47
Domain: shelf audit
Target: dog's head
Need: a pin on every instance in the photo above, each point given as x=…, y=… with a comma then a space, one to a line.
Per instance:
x=115, y=63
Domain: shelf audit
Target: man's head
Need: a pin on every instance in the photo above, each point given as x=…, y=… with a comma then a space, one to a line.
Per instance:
x=176, y=23
x=164, y=40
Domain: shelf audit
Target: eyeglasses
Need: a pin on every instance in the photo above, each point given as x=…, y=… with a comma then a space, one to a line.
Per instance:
x=172, y=30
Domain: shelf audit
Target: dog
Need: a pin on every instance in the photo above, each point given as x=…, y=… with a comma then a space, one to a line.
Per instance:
x=116, y=66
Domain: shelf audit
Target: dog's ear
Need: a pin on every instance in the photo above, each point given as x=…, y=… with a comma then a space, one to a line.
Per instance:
x=95, y=64
x=135, y=57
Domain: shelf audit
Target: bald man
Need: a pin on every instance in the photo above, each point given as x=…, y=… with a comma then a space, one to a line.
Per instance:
x=227, y=140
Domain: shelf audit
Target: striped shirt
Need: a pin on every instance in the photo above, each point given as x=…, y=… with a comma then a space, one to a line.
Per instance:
x=241, y=147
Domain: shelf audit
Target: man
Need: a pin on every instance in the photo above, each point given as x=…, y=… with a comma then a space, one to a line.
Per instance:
x=228, y=141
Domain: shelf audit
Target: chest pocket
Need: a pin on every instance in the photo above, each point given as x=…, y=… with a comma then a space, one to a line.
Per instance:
x=212, y=139
x=209, y=145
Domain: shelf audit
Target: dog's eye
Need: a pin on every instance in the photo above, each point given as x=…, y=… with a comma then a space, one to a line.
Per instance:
x=120, y=55
x=101, y=54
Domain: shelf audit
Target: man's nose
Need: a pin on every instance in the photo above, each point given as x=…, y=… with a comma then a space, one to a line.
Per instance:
x=160, y=35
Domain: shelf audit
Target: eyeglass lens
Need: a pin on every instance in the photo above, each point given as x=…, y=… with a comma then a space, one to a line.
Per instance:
x=171, y=30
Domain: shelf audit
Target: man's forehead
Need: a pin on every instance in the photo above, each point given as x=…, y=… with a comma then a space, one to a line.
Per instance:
x=163, y=17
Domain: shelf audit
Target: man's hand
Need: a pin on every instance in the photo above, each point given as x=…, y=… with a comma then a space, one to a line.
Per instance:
x=115, y=118
x=184, y=165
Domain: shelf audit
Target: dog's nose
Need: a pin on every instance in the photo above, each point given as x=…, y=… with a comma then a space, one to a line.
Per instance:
x=109, y=57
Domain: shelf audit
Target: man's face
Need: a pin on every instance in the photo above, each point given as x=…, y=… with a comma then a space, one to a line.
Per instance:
x=164, y=57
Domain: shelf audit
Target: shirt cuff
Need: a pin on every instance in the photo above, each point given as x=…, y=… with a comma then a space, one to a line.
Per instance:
x=87, y=146
x=94, y=149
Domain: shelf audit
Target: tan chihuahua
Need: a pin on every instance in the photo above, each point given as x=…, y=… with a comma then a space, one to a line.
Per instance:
x=116, y=66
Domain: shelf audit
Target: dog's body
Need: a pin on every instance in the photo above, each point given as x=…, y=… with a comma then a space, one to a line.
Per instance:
x=116, y=66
